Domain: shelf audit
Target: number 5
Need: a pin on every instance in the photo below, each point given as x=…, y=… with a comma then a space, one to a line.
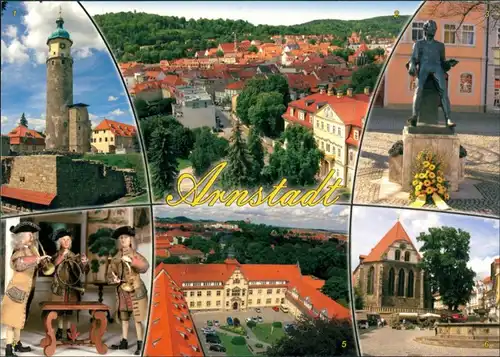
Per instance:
x=344, y=344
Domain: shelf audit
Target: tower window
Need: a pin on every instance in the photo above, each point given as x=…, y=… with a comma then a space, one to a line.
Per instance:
x=63, y=61
x=78, y=127
x=52, y=62
x=65, y=124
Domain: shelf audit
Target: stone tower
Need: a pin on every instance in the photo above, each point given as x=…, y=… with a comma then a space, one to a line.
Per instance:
x=80, y=128
x=59, y=88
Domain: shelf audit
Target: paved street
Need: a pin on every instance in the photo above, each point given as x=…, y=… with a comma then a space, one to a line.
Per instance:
x=389, y=342
x=479, y=133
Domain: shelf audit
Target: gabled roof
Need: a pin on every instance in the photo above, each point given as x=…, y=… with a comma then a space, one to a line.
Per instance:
x=23, y=134
x=396, y=233
x=117, y=128
x=171, y=328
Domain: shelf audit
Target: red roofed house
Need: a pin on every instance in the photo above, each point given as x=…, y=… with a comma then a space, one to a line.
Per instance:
x=110, y=136
x=389, y=277
x=171, y=329
x=338, y=122
x=22, y=139
x=183, y=252
x=232, y=286
x=359, y=57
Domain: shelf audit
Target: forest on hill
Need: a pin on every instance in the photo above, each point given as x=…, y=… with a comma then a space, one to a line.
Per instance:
x=135, y=36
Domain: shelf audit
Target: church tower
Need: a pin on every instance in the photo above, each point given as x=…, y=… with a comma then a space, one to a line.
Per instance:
x=59, y=88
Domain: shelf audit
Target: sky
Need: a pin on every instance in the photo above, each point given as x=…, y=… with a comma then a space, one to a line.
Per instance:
x=334, y=218
x=25, y=28
x=369, y=225
x=260, y=12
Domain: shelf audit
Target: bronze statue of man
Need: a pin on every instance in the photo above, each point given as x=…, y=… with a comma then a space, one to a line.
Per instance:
x=429, y=59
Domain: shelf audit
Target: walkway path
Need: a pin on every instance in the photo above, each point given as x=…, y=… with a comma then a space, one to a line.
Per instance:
x=251, y=340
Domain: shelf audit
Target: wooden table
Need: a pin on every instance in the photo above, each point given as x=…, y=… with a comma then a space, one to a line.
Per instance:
x=97, y=328
x=100, y=286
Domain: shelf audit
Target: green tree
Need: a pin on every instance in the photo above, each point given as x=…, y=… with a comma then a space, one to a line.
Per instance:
x=162, y=161
x=256, y=152
x=23, y=121
x=238, y=172
x=316, y=337
x=4, y=6
x=445, y=253
x=135, y=143
x=312, y=41
x=365, y=76
x=172, y=260
x=253, y=49
x=337, y=288
x=359, y=302
x=208, y=148
x=266, y=113
x=141, y=107
x=219, y=53
x=299, y=162
x=343, y=52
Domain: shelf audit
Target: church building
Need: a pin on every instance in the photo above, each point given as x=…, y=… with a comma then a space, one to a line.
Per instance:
x=389, y=277
x=67, y=127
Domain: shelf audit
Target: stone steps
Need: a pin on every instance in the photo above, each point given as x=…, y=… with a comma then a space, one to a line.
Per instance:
x=459, y=342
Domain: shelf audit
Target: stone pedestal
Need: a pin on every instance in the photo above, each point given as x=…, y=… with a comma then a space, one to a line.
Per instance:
x=446, y=146
x=395, y=168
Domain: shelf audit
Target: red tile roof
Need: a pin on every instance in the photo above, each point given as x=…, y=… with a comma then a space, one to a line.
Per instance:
x=173, y=80
x=117, y=128
x=313, y=281
x=236, y=86
x=180, y=249
x=22, y=134
x=396, y=233
x=21, y=194
x=171, y=329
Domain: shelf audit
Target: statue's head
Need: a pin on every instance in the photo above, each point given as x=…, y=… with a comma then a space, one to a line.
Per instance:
x=430, y=28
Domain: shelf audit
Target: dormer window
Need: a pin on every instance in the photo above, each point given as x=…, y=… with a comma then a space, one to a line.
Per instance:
x=356, y=135
x=407, y=256
x=397, y=255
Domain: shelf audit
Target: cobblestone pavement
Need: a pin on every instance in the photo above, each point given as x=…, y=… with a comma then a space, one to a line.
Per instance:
x=479, y=133
x=388, y=342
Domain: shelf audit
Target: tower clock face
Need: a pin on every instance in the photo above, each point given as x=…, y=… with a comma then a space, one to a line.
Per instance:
x=62, y=46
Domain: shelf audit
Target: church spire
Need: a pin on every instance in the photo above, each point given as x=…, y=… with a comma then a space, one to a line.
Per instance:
x=60, y=20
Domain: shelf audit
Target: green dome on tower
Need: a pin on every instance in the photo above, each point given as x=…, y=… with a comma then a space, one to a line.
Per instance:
x=60, y=32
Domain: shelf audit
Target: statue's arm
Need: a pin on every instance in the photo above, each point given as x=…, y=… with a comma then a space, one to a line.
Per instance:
x=414, y=60
x=443, y=55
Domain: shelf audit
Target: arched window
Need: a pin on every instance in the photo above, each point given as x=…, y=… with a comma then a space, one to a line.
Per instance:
x=466, y=83
x=409, y=289
x=397, y=255
x=407, y=256
x=390, y=285
x=371, y=279
x=401, y=283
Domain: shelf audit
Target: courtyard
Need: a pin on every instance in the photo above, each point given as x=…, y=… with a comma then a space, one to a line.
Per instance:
x=390, y=342
x=478, y=132
x=257, y=339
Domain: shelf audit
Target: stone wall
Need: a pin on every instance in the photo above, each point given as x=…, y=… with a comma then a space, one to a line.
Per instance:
x=34, y=172
x=80, y=129
x=84, y=183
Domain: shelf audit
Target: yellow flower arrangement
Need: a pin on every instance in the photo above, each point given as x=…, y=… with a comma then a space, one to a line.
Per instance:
x=428, y=178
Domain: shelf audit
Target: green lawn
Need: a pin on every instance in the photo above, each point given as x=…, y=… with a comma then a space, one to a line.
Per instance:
x=233, y=350
x=139, y=199
x=123, y=161
x=263, y=333
x=183, y=163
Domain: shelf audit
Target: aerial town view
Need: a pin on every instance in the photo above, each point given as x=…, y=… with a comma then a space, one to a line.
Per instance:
x=282, y=96
x=426, y=281
x=239, y=282
x=464, y=135
x=69, y=138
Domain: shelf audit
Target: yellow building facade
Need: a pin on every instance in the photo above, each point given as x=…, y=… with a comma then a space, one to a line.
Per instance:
x=109, y=136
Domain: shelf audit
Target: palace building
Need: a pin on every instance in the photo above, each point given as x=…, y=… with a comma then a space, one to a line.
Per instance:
x=389, y=277
x=184, y=288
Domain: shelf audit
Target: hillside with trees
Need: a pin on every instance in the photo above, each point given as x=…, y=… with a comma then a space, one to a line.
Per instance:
x=136, y=36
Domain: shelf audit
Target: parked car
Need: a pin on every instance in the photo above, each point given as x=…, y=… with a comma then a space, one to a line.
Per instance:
x=207, y=330
x=260, y=319
x=230, y=321
x=258, y=310
x=458, y=317
x=213, y=339
x=289, y=327
x=216, y=323
x=248, y=319
x=217, y=348
x=363, y=324
x=276, y=308
x=236, y=322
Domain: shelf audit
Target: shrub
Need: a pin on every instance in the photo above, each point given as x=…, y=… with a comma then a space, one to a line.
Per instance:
x=463, y=152
x=396, y=149
x=277, y=324
x=473, y=318
x=251, y=324
x=238, y=341
x=259, y=345
x=410, y=326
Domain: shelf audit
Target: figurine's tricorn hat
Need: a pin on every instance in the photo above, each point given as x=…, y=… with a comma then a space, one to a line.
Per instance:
x=59, y=233
x=23, y=227
x=125, y=230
